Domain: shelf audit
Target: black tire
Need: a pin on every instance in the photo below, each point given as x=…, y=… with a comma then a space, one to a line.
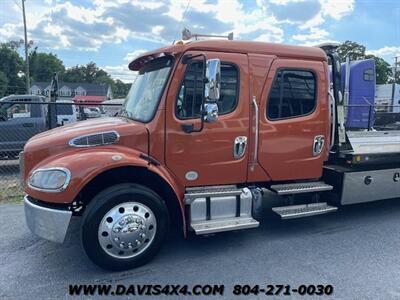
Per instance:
x=106, y=200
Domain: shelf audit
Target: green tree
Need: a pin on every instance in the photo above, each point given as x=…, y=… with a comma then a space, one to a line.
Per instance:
x=12, y=65
x=120, y=89
x=3, y=84
x=43, y=65
x=352, y=50
x=382, y=69
x=102, y=77
x=89, y=73
x=357, y=51
x=15, y=45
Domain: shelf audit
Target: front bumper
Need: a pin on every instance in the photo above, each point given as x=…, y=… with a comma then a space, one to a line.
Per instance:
x=48, y=223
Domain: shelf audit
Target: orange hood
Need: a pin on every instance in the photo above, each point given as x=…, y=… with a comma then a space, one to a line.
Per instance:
x=52, y=142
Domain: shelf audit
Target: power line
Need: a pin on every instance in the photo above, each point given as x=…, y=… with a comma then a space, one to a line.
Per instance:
x=184, y=13
x=15, y=1
x=28, y=86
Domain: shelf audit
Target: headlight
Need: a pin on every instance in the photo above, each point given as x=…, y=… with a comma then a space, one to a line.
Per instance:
x=50, y=180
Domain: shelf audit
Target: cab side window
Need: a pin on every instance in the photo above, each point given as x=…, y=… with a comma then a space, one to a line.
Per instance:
x=293, y=94
x=369, y=75
x=190, y=95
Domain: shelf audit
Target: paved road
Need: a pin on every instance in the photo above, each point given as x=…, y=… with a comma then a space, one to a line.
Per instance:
x=356, y=250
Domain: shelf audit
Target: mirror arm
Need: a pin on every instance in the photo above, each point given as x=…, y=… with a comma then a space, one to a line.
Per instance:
x=189, y=128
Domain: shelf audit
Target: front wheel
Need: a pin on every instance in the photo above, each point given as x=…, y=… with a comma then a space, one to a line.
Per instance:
x=124, y=227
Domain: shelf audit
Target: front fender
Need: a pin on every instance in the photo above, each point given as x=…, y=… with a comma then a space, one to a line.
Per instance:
x=86, y=164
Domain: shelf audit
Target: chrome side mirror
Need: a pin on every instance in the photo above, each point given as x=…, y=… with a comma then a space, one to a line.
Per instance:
x=213, y=80
x=211, y=112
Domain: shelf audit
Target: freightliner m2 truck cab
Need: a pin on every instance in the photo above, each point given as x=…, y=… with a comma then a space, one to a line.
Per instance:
x=206, y=127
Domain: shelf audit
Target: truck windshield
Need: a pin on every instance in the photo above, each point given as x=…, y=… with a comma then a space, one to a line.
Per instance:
x=144, y=95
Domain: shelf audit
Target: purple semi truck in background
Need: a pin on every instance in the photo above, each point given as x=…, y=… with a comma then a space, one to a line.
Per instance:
x=358, y=83
x=368, y=106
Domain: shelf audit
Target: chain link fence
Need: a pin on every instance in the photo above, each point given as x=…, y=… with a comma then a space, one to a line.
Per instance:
x=23, y=117
x=20, y=119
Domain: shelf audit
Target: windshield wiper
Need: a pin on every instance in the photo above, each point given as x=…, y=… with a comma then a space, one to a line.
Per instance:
x=126, y=114
x=123, y=113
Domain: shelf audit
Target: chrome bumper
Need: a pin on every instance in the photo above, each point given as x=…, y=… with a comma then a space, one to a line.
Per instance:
x=48, y=223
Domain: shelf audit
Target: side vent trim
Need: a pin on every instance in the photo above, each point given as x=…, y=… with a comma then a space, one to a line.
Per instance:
x=95, y=139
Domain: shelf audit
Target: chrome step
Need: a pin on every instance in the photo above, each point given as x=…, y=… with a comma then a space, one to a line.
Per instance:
x=213, y=226
x=210, y=191
x=304, y=210
x=300, y=187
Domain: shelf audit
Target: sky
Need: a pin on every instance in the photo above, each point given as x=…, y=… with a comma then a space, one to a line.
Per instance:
x=112, y=32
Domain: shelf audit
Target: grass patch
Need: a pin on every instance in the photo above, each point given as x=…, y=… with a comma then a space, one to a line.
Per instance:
x=12, y=193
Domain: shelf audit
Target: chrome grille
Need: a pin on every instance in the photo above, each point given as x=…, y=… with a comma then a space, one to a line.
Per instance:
x=95, y=139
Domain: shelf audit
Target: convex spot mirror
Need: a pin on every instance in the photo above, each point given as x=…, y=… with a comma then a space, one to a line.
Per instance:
x=211, y=112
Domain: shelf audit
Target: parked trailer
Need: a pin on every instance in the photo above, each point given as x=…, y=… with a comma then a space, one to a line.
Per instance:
x=206, y=128
x=389, y=96
x=388, y=101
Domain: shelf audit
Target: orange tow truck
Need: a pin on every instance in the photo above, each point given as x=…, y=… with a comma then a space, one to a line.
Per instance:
x=206, y=127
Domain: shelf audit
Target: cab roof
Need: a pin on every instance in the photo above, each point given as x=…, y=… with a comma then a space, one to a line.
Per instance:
x=278, y=50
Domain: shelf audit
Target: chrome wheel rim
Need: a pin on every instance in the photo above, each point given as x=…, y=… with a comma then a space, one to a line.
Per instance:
x=127, y=230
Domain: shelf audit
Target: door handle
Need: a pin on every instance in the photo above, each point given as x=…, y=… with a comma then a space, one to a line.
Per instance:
x=318, y=145
x=27, y=124
x=239, y=146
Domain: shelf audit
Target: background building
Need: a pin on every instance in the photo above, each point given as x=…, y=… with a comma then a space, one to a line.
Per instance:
x=82, y=92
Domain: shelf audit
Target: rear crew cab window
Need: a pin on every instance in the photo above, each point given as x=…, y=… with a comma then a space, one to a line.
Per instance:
x=191, y=92
x=293, y=94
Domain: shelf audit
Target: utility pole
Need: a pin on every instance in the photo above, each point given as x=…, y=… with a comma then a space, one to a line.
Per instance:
x=396, y=64
x=52, y=112
x=28, y=84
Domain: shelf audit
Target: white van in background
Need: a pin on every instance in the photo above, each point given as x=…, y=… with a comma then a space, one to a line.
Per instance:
x=66, y=113
x=92, y=112
x=114, y=108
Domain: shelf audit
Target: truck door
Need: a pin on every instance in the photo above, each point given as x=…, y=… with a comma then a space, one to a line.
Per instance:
x=294, y=120
x=219, y=153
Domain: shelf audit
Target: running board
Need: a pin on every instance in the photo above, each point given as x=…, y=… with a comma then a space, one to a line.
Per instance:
x=300, y=187
x=304, y=210
x=213, y=226
x=214, y=191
